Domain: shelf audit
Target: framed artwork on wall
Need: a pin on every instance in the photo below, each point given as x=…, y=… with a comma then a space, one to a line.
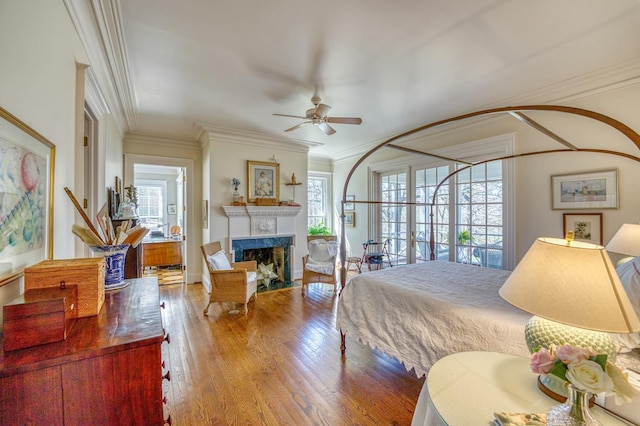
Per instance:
x=205, y=214
x=263, y=180
x=587, y=190
x=26, y=197
x=586, y=227
x=349, y=207
x=171, y=209
x=350, y=219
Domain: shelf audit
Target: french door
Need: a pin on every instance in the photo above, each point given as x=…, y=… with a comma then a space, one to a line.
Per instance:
x=468, y=213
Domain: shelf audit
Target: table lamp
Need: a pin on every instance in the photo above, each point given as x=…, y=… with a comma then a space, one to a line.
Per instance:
x=626, y=241
x=574, y=293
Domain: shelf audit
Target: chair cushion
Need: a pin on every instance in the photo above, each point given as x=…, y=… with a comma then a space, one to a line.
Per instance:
x=325, y=268
x=321, y=250
x=219, y=261
x=251, y=276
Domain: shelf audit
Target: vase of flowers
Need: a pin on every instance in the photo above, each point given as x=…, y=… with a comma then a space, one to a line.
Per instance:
x=585, y=373
x=236, y=195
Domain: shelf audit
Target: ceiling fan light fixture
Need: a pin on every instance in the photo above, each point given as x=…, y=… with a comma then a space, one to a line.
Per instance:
x=318, y=117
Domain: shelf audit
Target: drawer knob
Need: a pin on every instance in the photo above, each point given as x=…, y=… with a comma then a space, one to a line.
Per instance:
x=167, y=376
x=162, y=306
x=167, y=338
x=168, y=421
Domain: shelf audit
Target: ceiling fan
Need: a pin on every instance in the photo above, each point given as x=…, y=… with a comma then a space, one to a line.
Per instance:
x=318, y=117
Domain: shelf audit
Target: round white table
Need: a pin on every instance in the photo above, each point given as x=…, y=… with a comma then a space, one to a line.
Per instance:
x=468, y=387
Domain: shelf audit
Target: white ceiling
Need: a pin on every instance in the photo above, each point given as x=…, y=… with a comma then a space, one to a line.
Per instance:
x=396, y=64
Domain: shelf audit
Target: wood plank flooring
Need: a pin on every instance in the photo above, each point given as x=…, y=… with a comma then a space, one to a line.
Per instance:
x=278, y=365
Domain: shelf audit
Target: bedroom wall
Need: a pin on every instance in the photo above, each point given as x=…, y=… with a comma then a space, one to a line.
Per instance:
x=225, y=154
x=40, y=51
x=534, y=216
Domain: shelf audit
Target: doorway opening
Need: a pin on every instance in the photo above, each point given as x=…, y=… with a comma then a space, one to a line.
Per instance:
x=163, y=195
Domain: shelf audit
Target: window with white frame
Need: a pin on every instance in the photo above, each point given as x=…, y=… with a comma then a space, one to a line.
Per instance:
x=151, y=202
x=318, y=200
x=473, y=212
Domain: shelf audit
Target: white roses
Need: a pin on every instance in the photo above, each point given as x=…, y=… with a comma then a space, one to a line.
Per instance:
x=589, y=376
x=585, y=370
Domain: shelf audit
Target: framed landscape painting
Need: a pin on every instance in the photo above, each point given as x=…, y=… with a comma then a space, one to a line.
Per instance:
x=26, y=197
x=587, y=190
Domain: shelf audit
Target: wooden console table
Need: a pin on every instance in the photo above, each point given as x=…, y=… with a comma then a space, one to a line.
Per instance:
x=107, y=372
x=161, y=253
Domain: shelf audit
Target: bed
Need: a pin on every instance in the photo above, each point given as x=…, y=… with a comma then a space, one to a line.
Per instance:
x=421, y=312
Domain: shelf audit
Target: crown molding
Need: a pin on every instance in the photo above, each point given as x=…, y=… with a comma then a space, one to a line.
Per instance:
x=98, y=25
x=155, y=140
x=212, y=134
x=571, y=90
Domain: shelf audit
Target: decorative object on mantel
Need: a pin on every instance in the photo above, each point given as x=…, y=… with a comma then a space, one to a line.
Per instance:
x=294, y=182
x=110, y=243
x=236, y=195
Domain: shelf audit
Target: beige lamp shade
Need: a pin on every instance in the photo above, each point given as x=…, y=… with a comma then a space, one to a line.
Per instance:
x=572, y=284
x=626, y=240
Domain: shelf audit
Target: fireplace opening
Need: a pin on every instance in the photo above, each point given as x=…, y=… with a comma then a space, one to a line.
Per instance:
x=270, y=262
x=273, y=256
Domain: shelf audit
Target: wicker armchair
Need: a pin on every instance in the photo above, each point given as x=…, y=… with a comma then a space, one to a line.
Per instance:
x=235, y=283
x=311, y=274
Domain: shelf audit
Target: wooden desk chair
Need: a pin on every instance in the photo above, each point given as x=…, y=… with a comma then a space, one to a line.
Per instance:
x=322, y=269
x=230, y=282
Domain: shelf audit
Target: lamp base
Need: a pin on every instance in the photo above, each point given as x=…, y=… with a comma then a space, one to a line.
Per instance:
x=543, y=333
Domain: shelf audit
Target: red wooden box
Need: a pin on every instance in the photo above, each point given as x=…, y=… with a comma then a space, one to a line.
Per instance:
x=40, y=316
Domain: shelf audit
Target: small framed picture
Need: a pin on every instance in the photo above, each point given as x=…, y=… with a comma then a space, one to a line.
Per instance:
x=586, y=227
x=171, y=209
x=587, y=190
x=205, y=214
x=349, y=207
x=350, y=219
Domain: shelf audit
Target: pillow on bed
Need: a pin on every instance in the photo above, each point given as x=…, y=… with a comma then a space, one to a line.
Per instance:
x=322, y=250
x=629, y=274
x=219, y=261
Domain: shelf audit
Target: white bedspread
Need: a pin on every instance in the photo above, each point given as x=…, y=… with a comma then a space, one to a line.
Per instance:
x=421, y=312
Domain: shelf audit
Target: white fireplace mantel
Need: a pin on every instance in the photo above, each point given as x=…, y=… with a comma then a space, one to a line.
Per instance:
x=246, y=221
x=261, y=211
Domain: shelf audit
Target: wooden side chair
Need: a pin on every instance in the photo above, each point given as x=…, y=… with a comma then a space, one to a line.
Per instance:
x=230, y=282
x=319, y=266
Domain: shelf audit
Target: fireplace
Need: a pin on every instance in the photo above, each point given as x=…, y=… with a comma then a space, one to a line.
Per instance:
x=272, y=253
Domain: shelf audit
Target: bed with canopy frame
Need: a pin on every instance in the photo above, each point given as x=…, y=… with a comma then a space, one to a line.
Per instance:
x=419, y=313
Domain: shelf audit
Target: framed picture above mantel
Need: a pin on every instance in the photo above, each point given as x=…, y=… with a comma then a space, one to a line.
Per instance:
x=263, y=181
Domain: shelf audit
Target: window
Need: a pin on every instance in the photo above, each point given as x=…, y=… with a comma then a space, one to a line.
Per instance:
x=318, y=202
x=151, y=201
x=393, y=217
x=473, y=212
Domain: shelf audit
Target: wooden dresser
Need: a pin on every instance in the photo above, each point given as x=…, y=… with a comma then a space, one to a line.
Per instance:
x=161, y=253
x=107, y=372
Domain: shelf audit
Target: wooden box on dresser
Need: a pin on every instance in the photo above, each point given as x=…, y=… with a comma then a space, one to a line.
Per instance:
x=107, y=372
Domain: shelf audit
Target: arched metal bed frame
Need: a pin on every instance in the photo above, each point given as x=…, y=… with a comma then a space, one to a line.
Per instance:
x=516, y=111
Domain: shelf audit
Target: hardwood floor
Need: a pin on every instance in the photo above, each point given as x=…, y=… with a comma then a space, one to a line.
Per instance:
x=278, y=365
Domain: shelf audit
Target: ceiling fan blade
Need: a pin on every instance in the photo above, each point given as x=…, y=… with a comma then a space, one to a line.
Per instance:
x=328, y=130
x=344, y=120
x=292, y=116
x=297, y=126
x=322, y=110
